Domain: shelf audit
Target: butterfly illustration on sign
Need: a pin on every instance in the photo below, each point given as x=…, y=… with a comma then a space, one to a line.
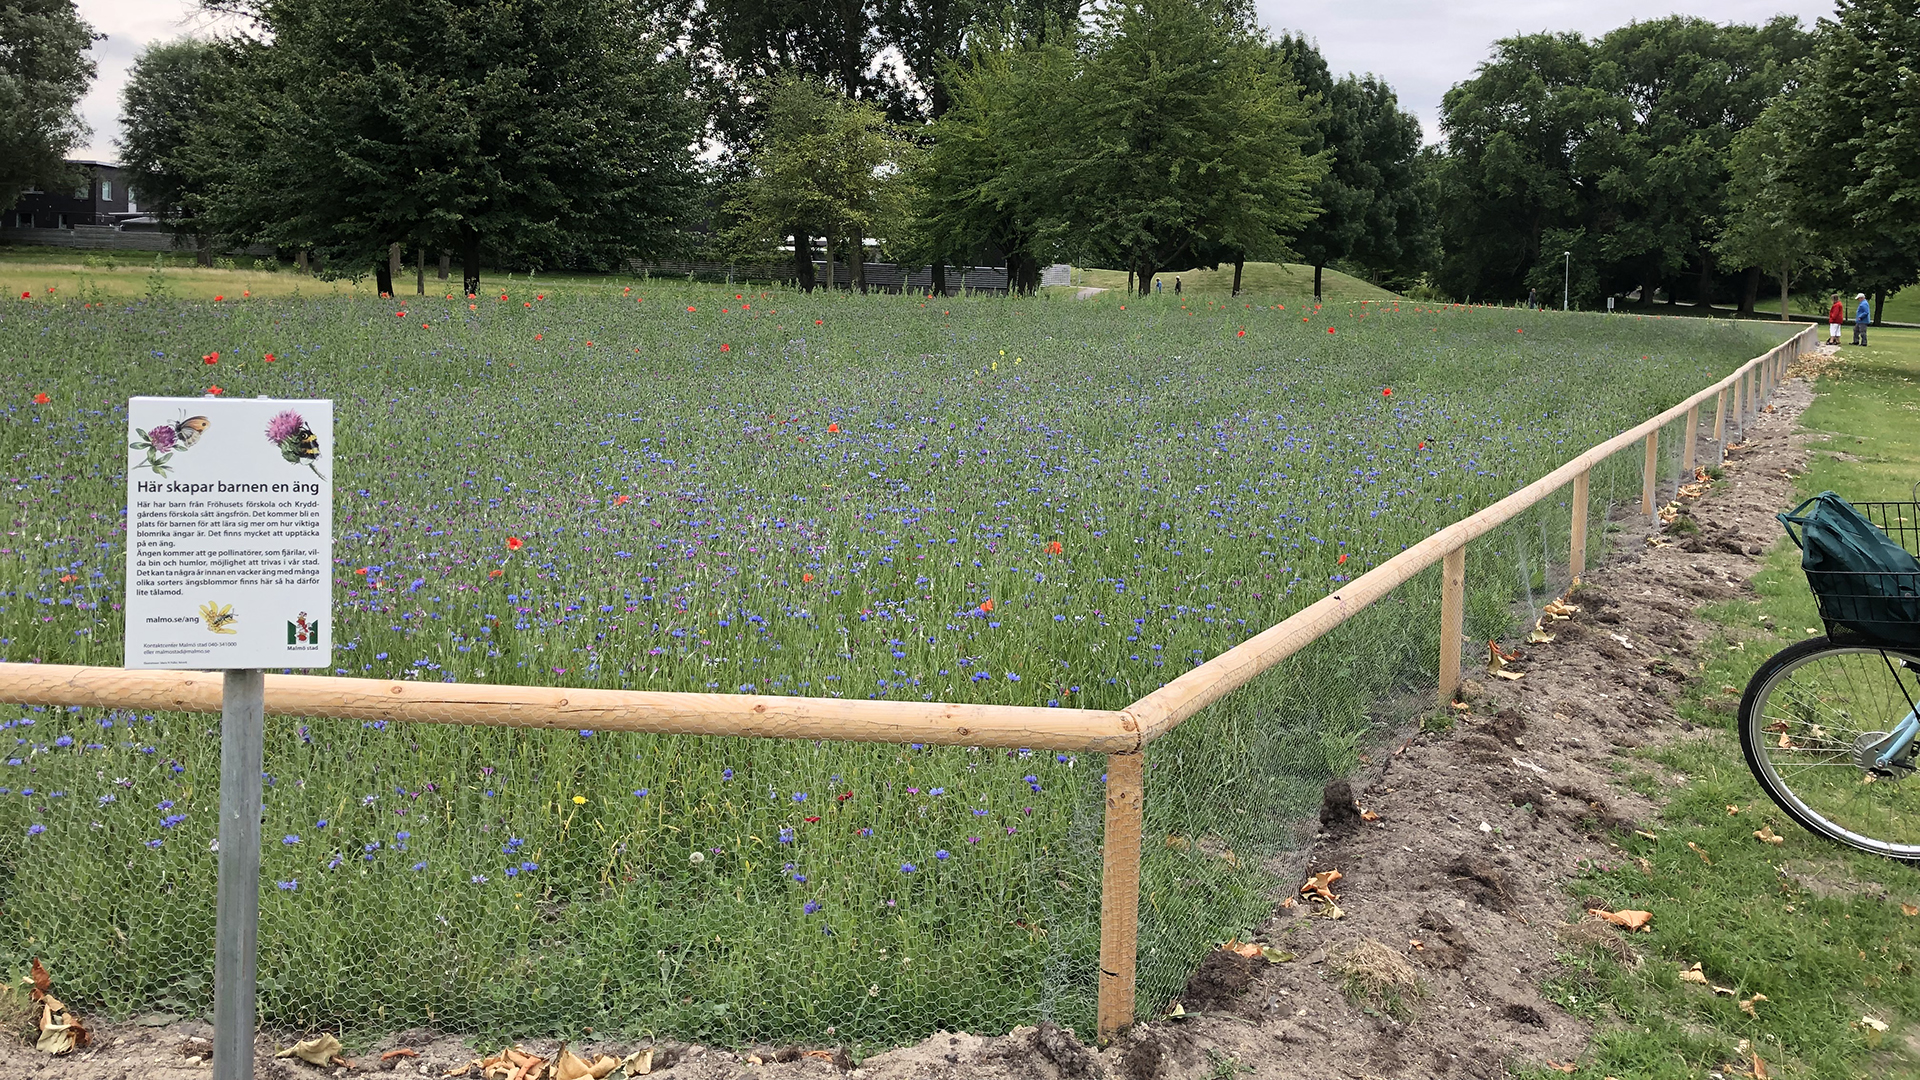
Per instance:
x=219, y=617
x=289, y=433
x=162, y=441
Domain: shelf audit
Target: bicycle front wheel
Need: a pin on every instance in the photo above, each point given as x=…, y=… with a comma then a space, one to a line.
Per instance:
x=1811, y=722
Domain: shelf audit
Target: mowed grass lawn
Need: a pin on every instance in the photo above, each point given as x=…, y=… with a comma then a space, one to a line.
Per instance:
x=1039, y=502
x=1830, y=937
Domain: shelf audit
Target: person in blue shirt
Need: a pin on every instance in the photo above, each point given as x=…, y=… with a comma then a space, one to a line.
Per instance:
x=1860, y=316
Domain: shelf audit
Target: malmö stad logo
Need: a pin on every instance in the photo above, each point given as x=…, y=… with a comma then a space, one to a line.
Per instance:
x=302, y=632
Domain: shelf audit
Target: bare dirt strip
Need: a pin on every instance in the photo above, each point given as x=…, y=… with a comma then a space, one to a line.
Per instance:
x=1455, y=880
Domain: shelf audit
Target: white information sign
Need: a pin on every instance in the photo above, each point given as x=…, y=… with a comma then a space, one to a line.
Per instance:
x=229, y=533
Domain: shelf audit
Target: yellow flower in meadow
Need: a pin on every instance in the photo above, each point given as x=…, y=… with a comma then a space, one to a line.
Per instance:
x=579, y=800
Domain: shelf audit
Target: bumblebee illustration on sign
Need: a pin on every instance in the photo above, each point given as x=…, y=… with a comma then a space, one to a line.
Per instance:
x=219, y=617
x=297, y=443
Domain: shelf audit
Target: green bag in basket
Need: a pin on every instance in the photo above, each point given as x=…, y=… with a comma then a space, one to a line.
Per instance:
x=1864, y=581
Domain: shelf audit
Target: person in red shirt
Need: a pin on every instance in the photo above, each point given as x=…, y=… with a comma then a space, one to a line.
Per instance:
x=1836, y=315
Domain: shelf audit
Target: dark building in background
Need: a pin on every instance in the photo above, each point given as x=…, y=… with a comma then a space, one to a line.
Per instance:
x=100, y=197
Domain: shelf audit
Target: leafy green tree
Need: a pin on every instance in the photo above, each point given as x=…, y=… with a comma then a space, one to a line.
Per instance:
x=543, y=132
x=1615, y=150
x=1768, y=226
x=1376, y=200
x=1853, y=146
x=1510, y=174
x=44, y=68
x=1184, y=136
x=992, y=175
x=828, y=163
x=169, y=92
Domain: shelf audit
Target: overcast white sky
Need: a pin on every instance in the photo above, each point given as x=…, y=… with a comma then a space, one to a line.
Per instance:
x=1421, y=48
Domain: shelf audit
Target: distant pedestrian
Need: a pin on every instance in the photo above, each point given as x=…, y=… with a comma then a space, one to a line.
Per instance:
x=1156, y=284
x=1836, y=315
x=1860, y=315
x=1176, y=286
x=1533, y=299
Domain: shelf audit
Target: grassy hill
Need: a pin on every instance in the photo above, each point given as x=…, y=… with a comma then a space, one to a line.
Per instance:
x=1281, y=279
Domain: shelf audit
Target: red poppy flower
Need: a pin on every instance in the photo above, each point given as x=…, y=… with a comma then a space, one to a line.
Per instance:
x=537, y=337
x=514, y=543
x=526, y=303
x=399, y=314
x=503, y=296
x=812, y=820
x=210, y=358
x=816, y=322
x=540, y=296
x=1423, y=446
x=26, y=296
x=217, y=299
x=589, y=344
x=986, y=605
x=362, y=571
x=843, y=796
x=806, y=577
x=423, y=326
x=739, y=296
x=724, y=347
x=1329, y=329
x=619, y=500
x=268, y=358
x=215, y=391
x=833, y=429
x=1054, y=548
x=66, y=579
x=1343, y=557
x=1388, y=392
x=41, y=399
x=690, y=307
x=1243, y=333
x=495, y=572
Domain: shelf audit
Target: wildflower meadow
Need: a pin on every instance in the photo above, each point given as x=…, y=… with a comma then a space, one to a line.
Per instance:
x=1031, y=501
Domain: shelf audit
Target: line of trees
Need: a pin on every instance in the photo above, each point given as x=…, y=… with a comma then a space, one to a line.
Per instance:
x=1672, y=156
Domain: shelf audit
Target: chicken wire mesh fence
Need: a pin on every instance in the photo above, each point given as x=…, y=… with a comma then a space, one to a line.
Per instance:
x=523, y=881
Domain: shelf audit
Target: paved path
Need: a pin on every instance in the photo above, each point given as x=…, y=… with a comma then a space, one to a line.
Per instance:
x=1088, y=293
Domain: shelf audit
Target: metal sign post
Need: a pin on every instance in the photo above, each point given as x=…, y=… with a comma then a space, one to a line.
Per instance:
x=237, y=927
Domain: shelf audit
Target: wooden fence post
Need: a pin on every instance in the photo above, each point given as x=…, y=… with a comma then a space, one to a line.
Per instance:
x=1720, y=417
x=1648, y=472
x=1120, y=890
x=1577, y=558
x=1739, y=417
x=1453, y=595
x=1692, y=435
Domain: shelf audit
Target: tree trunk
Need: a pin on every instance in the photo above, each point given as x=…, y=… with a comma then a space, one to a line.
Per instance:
x=445, y=264
x=1750, y=291
x=394, y=265
x=803, y=259
x=1879, y=305
x=470, y=263
x=1703, y=285
x=859, y=259
x=1784, y=316
x=1129, y=281
x=1317, y=267
x=420, y=272
x=828, y=245
x=1239, y=264
x=300, y=261
x=383, y=278
x=204, y=256
x=1146, y=272
x=939, y=277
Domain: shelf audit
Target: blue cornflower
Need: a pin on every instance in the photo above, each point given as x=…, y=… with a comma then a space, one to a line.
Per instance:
x=290, y=838
x=726, y=774
x=980, y=813
x=811, y=907
x=288, y=886
x=36, y=829
x=171, y=820
x=64, y=740
x=403, y=836
x=586, y=733
x=321, y=824
x=907, y=868
x=477, y=879
x=421, y=865
x=943, y=854
x=799, y=796
x=786, y=834
x=801, y=878
x=1011, y=677
x=155, y=843
x=640, y=793
x=513, y=871
x=164, y=804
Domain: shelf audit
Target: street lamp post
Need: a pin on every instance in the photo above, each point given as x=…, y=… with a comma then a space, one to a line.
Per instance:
x=1566, y=278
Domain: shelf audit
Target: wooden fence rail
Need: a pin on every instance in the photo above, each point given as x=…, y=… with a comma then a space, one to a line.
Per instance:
x=1123, y=736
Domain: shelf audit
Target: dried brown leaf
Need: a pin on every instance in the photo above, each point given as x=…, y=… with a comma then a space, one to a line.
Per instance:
x=1628, y=920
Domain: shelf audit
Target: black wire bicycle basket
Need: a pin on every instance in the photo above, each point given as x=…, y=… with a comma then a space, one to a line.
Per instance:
x=1874, y=607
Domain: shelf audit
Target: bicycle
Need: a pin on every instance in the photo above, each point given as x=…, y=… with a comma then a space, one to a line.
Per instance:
x=1829, y=726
